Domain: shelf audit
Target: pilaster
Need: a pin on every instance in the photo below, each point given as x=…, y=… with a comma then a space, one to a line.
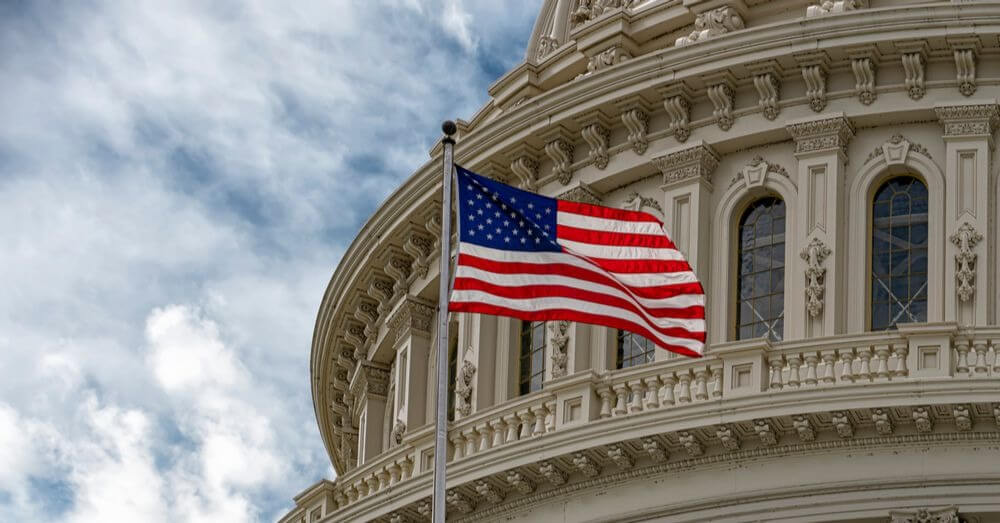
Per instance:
x=477, y=344
x=970, y=201
x=820, y=236
x=369, y=386
x=410, y=328
x=687, y=192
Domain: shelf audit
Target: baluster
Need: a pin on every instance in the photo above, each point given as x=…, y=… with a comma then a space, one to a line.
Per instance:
x=829, y=359
x=407, y=468
x=605, y=394
x=635, y=387
x=847, y=369
x=777, y=363
x=701, y=384
x=395, y=473
x=962, y=346
x=865, y=371
x=458, y=446
x=901, y=350
x=980, y=347
x=513, y=422
x=652, y=392
x=539, y=411
x=717, y=382
x=485, y=438
x=621, y=391
x=383, y=479
x=996, y=357
x=685, y=390
x=669, y=382
x=811, y=361
x=525, y=424
x=794, y=361
x=471, y=441
x=882, y=367
x=498, y=432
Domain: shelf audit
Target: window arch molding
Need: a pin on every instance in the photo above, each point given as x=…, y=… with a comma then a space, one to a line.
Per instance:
x=871, y=176
x=735, y=201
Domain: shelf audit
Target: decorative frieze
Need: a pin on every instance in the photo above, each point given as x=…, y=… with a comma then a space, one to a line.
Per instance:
x=883, y=425
x=552, y=473
x=965, y=240
x=822, y=135
x=712, y=23
x=370, y=378
x=814, y=255
x=815, y=66
x=765, y=432
x=804, y=428
x=968, y=120
x=520, y=483
x=767, y=81
x=926, y=515
x=691, y=444
x=558, y=342
x=587, y=10
x=696, y=162
x=585, y=465
x=411, y=315
x=828, y=7
x=620, y=456
x=842, y=424
x=729, y=439
x=963, y=417
x=654, y=449
x=489, y=492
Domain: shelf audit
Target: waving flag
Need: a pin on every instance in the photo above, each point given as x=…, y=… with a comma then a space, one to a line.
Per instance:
x=538, y=258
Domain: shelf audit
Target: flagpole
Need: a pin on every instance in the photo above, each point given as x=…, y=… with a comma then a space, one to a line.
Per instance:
x=441, y=434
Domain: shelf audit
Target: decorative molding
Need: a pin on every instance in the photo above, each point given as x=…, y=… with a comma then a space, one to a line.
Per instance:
x=965, y=50
x=457, y=500
x=814, y=255
x=965, y=239
x=754, y=173
x=963, y=417
x=490, y=492
x=525, y=169
x=842, y=423
x=559, y=148
x=585, y=465
x=558, y=342
x=677, y=103
x=546, y=45
x=926, y=515
x=822, y=135
x=691, y=444
x=804, y=428
x=411, y=315
x=518, y=482
x=381, y=290
x=896, y=149
x=968, y=120
x=370, y=378
x=913, y=69
x=654, y=449
x=765, y=431
x=399, y=266
x=636, y=120
x=767, y=81
x=721, y=96
x=712, y=23
x=694, y=162
x=729, y=439
x=582, y=193
x=420, y=247
x=613, y=55
x=864, y=79
x=621, y=457
x=814, y=72
x=922, y=419
x=828, y=7
x=587, y=10
x=883, y=425
x=552, y=473
x=595, y=132
x=636, y=202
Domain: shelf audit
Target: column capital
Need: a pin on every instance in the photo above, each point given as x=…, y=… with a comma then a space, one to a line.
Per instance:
x=370, y=378
x=972, y=119
x=821, y=135
x=412, y=314
x=691, y=162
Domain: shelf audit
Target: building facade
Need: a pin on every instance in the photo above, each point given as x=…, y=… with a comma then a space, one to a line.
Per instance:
x=830, y=172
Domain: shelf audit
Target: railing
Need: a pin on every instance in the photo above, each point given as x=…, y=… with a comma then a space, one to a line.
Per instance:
x=913, y=353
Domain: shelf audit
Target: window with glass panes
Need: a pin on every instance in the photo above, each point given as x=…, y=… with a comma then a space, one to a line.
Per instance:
x=761, y=282
x=899, y=253
x=633, y=350
x=532, y=360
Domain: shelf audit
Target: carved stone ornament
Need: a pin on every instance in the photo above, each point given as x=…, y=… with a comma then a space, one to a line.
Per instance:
x=965, y=239
x=828, y=7
x=926, y=515
x=559, y=341
x=398, y=431
x=968, y=120
x=613, y=55
x=636, y=202
x=459, y=501
x=896, y=150
x=693, y=447
x=815, y=78
x=697, y=162
x=864, y=79
x=754, y=174
x=721, y=96
x=587, y=10
x=656, y=451
x=582, y=193
x=370, y=379
x=584, y=464
x=552, y=473
x=421, y=247
x=765, y=432
x=768, y=92
x=597, y=135
x=546, y=44
x=520, y=483
x=842, y=424
x=814, y=255
x=489, y=492
x=636, y=121
x=560, y=151
x=965, y=67
x=411, y=315
x=913, y=69
x=464, y=385
x=729, y=439
x=678, y=109
x=525, y=169
x=883, y=425
x=821, y=135
x=711, y=24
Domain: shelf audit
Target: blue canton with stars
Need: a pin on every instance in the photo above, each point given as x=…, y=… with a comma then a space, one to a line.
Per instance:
x=499, y=216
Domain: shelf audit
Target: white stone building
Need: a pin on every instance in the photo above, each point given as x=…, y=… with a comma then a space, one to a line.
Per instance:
x=830, y=172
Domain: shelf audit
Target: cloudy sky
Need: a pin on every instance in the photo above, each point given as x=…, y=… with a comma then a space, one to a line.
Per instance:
x=178, y=180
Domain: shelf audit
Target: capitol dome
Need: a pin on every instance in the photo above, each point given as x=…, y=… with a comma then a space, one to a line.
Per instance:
x=830, y=172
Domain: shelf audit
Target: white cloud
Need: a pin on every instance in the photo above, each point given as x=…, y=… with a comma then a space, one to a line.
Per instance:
x=456, y=21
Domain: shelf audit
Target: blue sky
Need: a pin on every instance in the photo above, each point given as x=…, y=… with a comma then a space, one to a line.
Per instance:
x=178, y=181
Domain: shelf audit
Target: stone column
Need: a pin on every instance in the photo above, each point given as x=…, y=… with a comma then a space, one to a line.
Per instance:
x=369, y=386
x=820, y=235
x=687, y=193
x=477, y=344
x=410, y=329
x=970, y=199
x=508, y=347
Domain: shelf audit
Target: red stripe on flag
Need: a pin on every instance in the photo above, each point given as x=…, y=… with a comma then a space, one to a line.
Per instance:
x=599, y=211
x=655, y=241
x=571, y=315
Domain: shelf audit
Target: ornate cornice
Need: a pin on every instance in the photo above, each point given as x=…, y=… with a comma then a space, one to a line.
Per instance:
x=693, y=162
x=370, y=378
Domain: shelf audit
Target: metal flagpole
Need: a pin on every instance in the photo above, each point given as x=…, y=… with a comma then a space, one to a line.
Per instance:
x=441, y=435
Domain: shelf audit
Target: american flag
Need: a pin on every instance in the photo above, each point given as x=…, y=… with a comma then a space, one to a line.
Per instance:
x=537, y=258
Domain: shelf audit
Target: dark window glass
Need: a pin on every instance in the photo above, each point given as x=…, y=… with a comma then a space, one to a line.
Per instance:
x=532, y=360
x=452, y=376
x=899, y=253
x=633, y=350
x=761, y=284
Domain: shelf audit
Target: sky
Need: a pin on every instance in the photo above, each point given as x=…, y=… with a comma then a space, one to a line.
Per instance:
x=178, y=181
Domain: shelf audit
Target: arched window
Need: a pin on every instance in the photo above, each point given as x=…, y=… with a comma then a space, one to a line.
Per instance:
x=532, y=359
x=761, y=283
x=633, y=350
x=899, y=253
